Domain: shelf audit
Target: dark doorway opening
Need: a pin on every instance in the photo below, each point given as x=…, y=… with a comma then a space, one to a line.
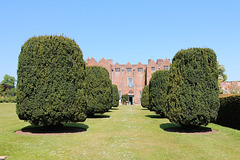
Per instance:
x=131, y=100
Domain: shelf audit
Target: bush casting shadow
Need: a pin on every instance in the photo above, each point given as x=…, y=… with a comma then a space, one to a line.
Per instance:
x=154, y=116
x=172, y=127
x=98, y=116
x=69, y=128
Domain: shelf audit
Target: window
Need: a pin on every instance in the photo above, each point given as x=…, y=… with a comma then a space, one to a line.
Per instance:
x=158, y=68
x=140, y=95
x=117, y=69
x=140, y=69
x=129, y=69
x=130, y=82
x=120, y=94
x=152, y=68
x=166, y=67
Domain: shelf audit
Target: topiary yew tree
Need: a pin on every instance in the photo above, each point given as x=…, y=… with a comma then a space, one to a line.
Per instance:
x=98, y=90
x=145, y=97
x=115, y=96
x=158, y=91
x=193, y=88
x=124, y=99
x=50, y=83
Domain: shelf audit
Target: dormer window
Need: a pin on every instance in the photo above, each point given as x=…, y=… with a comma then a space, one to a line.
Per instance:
x=140, y=69
x=129, y=69
x=117, y=69
x=166, y=67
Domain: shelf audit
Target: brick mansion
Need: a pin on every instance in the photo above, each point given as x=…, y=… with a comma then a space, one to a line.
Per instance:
x=131, y=78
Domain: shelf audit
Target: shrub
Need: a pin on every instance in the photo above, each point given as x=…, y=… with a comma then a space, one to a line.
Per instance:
x=98, y=90
x=8, y=100
x=229, y=112
x=124, y=99
x=145, y=97
x=192, y=98
x=115, y=96
x=50, y=83
x=158, y=91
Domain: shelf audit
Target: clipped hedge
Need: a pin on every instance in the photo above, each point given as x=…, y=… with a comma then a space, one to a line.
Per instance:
x=145, y=97
x=229, y=112
x=115, y=96
x=50, y=83
x=158, y=91
x=98, y=90
x=193, y=91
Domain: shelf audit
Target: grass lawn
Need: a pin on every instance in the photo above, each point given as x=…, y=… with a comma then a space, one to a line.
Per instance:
x=126, y=133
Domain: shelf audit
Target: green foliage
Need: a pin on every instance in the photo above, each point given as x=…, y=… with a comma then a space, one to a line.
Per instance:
x=221, y=77
x=158, y=91
x=9, y=80
x=115, y=96
x=228, y=114
x=50, y=85
x=8, y=100
x=124, y=98
x=192, y=98
x=98, y=90
x=145, y=97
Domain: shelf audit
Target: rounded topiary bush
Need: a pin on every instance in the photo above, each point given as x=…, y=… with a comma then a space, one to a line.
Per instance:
x=115, y=102
x=158, y=91
x=192, y=98
x=124, y=99
x=98, y=90
x=50, y=83
x=145, y=97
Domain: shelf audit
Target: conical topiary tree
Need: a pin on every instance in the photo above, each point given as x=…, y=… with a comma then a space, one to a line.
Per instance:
x=98, y=90
x=193, y=88
x=145, y=97
x=50, y=83
x=158, y=91
x=115, y=96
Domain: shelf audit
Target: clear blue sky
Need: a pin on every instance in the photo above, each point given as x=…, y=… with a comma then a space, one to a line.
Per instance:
x=124, y=30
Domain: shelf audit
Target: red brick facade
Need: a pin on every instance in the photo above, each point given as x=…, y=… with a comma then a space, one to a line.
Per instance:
x=129, y=78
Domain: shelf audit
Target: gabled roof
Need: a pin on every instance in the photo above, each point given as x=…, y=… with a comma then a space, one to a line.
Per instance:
x=166, y=62
x=128, y=65
x=152, y=63
x=117, y=65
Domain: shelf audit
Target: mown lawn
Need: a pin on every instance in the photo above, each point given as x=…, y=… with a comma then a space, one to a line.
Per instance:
x=126, y=133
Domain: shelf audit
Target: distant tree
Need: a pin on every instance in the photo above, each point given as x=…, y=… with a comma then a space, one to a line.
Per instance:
x=145, y=97
x=115, y=96
x=222, y=77
x=98, y=90
x=124, y=98
x=2, y=88
x=158, y=91
x=50, y=84
x=193, y=94
x=9, y=80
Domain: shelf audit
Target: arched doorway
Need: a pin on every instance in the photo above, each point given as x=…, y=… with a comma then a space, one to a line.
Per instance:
x=131, y=97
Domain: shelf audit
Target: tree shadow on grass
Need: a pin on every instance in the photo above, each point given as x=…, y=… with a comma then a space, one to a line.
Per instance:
x=69, y=128
x=154, y=116
x=144, y=109
x=175, y=128
x=99, y=116
x=114, y=108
